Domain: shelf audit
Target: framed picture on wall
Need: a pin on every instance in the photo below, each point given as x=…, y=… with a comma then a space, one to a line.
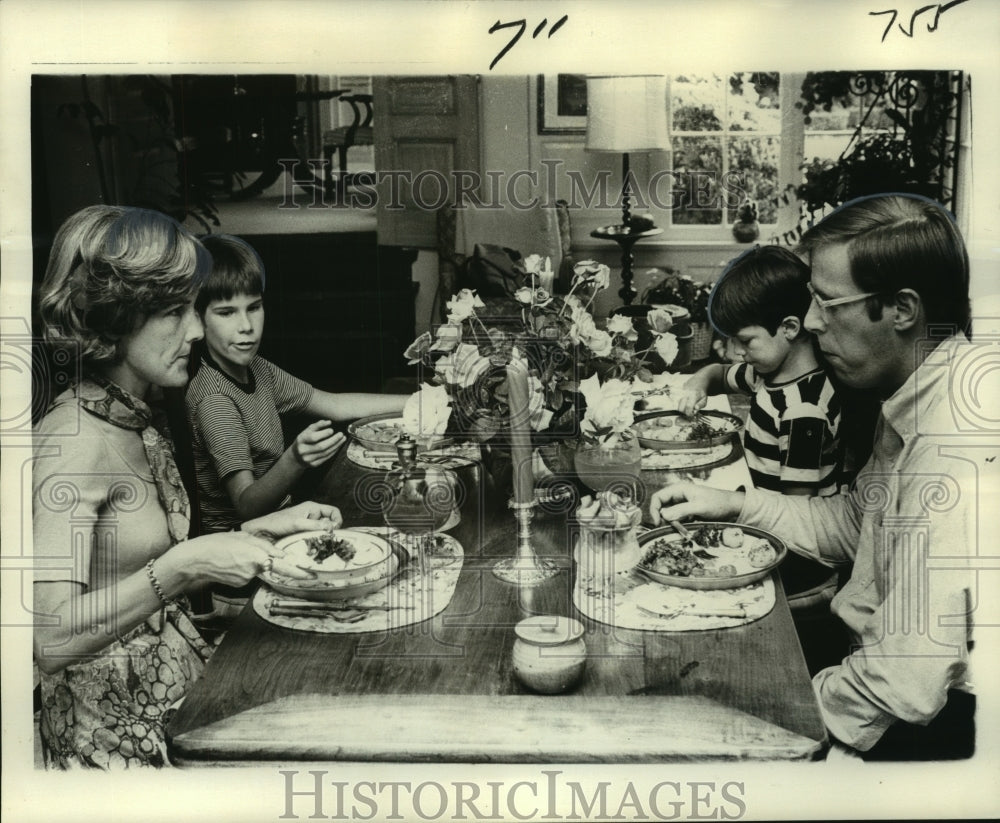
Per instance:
x=562, y=103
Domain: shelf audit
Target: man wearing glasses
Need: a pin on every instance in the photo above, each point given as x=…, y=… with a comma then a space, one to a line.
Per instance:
x=890, y=311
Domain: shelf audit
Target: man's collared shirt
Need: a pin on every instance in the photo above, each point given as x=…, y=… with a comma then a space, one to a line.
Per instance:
x=908, y=525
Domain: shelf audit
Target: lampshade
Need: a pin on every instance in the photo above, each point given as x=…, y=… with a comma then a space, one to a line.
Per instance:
x=627, y=113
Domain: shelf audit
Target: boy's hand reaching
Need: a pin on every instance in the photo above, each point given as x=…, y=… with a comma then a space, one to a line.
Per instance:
x=317, y=443
x=692, y=398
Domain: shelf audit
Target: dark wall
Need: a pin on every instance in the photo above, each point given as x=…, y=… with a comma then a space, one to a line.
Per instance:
x=339, y=308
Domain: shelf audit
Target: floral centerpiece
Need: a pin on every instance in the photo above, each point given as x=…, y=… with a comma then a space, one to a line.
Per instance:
x=577, y=369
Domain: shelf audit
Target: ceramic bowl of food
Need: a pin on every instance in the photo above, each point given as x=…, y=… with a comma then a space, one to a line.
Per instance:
x=715, y=556
x=673, y=431
x=338, y=556
x=365, y=573
x=380, y=432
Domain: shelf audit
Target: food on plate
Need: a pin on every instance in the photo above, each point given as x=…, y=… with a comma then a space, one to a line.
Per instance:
x=678, y=428
x=710, y=551
x=761, y=556
x=672, y=557
x=732, y=537
x=326, y=545
x=382, y=431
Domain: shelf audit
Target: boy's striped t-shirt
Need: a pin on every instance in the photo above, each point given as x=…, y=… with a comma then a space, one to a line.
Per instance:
x=237, y=427
x=791, y=436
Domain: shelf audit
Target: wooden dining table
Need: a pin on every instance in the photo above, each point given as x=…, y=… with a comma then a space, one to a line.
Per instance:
x=444, y=690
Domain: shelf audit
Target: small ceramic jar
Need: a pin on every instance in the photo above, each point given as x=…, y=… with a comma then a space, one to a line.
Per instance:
x=549, y=653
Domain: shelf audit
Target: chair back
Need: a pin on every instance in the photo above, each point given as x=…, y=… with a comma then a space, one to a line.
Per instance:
x=541, y=229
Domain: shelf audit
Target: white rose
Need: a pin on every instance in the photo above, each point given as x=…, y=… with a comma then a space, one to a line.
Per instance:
x=462, y=366
x=533, y=263
x=471, y=295
x=447, y=337
x=573, y=303
x=523, y=295
x=609, y=405
x=583, y=327
x=426, y=412
x=620, y=324
x=463, y=306
x=603, y=277
x=666, y=346
x=660, y=320
x=542, y=297
x=418, y=348
x=590, y=271
x=599, y=342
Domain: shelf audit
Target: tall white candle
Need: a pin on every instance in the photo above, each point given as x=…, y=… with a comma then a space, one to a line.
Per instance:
x=545, y=276
x=520, y=432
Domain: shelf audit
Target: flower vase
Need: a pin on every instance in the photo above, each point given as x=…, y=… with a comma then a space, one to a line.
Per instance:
x=613, y=464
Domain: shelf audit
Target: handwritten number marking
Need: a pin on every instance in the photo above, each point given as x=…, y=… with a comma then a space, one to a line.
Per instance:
x=496, y=27
x=522, y=26
x=941, y=8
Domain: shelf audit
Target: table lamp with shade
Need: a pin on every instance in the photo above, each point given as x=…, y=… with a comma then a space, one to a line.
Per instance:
x=627, y=114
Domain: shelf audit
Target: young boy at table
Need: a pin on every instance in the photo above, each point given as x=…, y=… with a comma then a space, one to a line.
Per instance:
x=237, y=399
x=791, y=438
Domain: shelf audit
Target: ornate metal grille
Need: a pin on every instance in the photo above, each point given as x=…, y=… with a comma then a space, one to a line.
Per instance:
x=906, y=137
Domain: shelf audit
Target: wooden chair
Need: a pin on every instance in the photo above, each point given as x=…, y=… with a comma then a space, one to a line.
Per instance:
x=359, y=133
x=540, y=230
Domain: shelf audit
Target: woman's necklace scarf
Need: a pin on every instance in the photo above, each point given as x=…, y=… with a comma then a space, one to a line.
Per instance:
x=111, y=402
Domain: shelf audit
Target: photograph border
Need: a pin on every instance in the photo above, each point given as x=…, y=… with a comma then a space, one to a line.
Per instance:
x=372, y=39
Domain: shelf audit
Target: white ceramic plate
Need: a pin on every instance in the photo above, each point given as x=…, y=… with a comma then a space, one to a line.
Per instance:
x=745, y=563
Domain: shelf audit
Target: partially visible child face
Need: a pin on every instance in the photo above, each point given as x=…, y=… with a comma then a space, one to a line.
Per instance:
x=764, y=351
x=233, y=330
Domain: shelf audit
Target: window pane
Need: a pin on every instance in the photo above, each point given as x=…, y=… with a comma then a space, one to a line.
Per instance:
x=754, y=101
x=756, y=159
x=696, y=102
x=827, y=146
x=698, y=169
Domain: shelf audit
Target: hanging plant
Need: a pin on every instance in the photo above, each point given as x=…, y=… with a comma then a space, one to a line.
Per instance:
x=909, y=153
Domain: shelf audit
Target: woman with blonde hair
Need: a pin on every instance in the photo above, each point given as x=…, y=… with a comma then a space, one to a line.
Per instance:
x=114, y=645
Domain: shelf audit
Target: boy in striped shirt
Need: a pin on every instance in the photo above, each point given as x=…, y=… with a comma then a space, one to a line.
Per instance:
x=236, y=401
x=791, y=438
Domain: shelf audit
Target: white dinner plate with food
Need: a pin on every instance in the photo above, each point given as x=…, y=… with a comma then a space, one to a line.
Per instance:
x=671, y=430
x=715, y=556
x=345, y=563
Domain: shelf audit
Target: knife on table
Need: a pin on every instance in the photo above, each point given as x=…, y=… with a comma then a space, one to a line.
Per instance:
x=316, y=606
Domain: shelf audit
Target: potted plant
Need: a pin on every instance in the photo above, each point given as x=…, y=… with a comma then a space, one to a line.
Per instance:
x=746, y=229
x=679, y=290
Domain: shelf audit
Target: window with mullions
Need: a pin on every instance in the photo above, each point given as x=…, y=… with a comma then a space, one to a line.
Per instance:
x=726, y=139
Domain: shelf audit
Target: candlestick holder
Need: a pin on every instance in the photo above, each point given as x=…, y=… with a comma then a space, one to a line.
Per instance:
x=525, y=568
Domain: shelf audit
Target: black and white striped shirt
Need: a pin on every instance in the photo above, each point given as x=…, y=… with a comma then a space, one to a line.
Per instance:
x=791, y=437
